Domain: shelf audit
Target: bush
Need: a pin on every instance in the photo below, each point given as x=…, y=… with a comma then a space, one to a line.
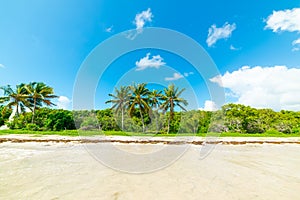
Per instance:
x=296, y=130
x=4, y=114
x=273, y=132
x=1, y=121
x=32, y=127
x=60, y=120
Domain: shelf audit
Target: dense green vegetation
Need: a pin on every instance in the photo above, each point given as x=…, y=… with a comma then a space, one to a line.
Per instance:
x=31, y=96
x=138, y=111
x=5, y=112
x=232, y=118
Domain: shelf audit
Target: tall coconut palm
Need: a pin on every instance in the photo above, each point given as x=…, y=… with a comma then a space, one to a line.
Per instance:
x=120, y=101
x=154, y=102
x=39, y=94
x=15, y=98
x=154, y=99
x=171, y=98
x=139, y=99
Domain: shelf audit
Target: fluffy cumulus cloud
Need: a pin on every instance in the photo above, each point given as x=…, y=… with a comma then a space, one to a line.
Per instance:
x=215, y=34
x=142, y=18
x=264, y=87
x=63, y=102
x=284, y=20
x=176, y=76
x=209, y=106
x=147, y=62
x=296, y=45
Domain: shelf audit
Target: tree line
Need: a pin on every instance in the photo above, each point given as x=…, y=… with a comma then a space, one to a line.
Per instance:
x=137, y=109
x=230, y=118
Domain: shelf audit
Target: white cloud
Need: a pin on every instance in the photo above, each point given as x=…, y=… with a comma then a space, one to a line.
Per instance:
x=175, y=77
x=234, y=48
x=284, y=20
x=296, y=42
x=187, y=74
x=109, y=29
x=295, y=49
x=140, y=21
x=215, y=34
x=296, y=45
x=209, y=106
x=142, y=18
x=147, y=62
x=63, y=102
x=2, y=66
x=264, y=87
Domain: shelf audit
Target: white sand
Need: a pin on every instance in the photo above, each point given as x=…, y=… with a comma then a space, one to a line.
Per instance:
x=67, y=171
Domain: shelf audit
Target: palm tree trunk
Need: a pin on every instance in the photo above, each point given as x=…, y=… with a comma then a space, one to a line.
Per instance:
x=171, y=114
x=156, y=115
x=17, y=111
x=33, y=111
x=142, y=118
x=168, y=130
x=122, y=119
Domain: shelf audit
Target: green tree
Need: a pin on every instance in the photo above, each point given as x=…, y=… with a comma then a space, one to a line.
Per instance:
x=15, y=97
x=39, y=94
x=204, y=121
x=139, y=99
x=190, y=121
x=107, y=121
x=170, y=99
x=60, y=120
x=4, y=114
x=155, y=102
x=120, y=101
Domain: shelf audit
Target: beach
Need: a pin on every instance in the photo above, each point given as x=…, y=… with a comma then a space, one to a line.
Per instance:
x=67, y=170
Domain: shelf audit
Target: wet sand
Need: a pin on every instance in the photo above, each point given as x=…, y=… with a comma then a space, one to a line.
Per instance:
x=55, y=170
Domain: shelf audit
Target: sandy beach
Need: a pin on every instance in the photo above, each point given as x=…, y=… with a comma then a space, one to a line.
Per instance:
x=66, y=170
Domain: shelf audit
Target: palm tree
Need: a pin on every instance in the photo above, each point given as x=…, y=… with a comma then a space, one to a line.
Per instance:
x=154, y=102
x=39, y=94
x=171, y=99
x=140, y=99
x=17, y=98
x=120, y=101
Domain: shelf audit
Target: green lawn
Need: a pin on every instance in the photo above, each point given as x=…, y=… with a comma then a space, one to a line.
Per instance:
x=119, y=133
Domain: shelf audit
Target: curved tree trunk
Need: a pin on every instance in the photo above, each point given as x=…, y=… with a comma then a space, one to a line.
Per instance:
x=17, y=109
x=12, y=115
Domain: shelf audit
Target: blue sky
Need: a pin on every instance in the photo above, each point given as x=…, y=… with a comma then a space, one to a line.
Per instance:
x=254, y=44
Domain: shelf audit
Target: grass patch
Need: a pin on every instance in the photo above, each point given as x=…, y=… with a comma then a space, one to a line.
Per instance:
x=120, y=133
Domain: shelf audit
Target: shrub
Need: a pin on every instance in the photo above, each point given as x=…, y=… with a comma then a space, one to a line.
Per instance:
x=273, y=132
x=32, y=127
x=60, y=120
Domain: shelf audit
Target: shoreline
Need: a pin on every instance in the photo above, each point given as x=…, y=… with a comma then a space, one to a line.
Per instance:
x=181, y=140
